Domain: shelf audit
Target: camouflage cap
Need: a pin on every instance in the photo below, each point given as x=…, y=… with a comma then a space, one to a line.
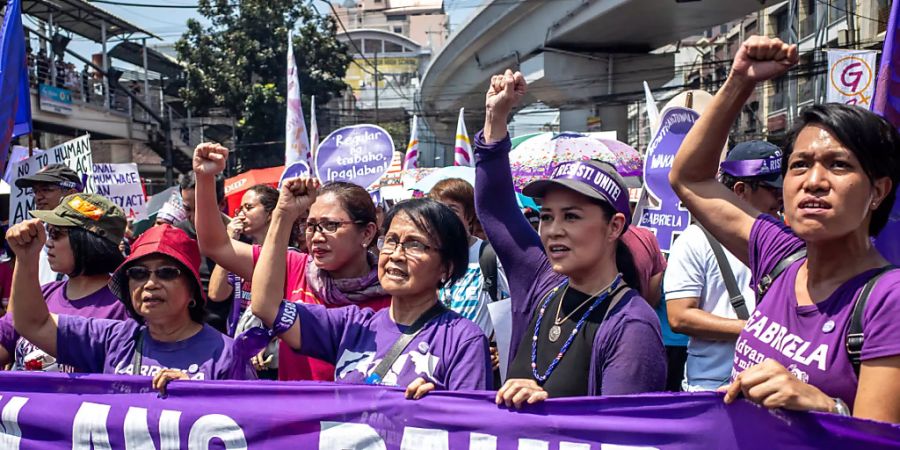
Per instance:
x=92, y=212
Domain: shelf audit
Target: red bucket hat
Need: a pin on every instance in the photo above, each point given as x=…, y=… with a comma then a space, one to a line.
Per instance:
x=163, y=240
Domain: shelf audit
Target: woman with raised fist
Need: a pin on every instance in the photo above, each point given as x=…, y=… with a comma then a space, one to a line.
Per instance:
x=824, y=336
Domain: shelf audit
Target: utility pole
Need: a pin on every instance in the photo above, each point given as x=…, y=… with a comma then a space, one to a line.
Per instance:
x=376, y=88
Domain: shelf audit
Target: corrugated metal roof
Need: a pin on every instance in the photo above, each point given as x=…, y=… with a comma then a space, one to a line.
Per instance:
x=83, y=18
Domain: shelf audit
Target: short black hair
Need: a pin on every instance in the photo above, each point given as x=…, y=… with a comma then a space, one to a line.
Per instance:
x=444, y=228
x=729, y=181
x=188, y=181
x=93, y=255
x=871, y=138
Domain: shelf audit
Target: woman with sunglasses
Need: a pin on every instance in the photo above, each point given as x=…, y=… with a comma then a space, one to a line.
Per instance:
x=841, y=167
x=425, y=248
x=159, y=285
x=577, y=328
x=85, y=248
x=338, y=269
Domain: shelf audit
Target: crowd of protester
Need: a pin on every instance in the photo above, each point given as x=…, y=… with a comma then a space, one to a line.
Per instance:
x=782, y=296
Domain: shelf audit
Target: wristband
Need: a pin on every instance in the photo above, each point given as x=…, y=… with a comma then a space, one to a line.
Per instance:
x=284, y=320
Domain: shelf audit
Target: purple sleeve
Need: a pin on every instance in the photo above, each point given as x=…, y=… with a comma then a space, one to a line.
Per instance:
x=770, y=242
x=8, y=335
x=81, y=342
x=880, y=324
x=321, y=329
x=515, y=241
x=470, y=368
x=636, y=361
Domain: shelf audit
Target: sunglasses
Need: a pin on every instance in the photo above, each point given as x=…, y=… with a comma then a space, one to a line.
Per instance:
x=141, y=273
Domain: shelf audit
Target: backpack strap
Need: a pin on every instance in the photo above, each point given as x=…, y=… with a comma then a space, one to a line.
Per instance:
x=734, y=292
x=855, y=334
x=764, y=283
x=487, y=259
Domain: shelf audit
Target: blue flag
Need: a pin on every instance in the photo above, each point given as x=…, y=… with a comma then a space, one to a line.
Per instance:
x=15, y=95
x=887, y=103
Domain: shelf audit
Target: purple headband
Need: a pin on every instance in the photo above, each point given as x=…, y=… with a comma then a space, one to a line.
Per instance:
x=598, y=181
x=753, y=167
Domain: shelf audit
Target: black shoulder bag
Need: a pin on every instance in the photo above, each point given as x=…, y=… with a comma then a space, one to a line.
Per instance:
x=385, y=365
x=734, y=292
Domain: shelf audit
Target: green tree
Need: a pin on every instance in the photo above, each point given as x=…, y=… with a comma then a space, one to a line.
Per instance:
x=239, y=63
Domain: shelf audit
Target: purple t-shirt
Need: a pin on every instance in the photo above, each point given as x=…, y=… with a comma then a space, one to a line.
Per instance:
x=809, y=340
x=101, y=304
x=449, y=351
x=107, y=346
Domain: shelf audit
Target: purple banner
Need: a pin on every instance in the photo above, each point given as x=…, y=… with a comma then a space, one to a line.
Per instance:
x=668, y=219
x=887, y=103
x=55, y=411
x=360, y=154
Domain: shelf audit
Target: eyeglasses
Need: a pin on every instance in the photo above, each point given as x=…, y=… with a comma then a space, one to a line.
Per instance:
x=413, y=249
x=56, y=233
x=45, y=189
x=326, y=226
x=142, y=274
x=246, y=207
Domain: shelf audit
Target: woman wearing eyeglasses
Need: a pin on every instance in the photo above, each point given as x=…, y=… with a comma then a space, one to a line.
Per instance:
x=417, y=342
x=337, y=270
x=159, y=285
x=86, y=250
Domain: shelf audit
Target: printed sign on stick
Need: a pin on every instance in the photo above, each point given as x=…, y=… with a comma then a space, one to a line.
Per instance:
x=75, y=153
x=359, y=154
x=668, y=219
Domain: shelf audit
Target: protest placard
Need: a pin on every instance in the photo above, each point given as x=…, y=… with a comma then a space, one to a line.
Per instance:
x=359, y=154
x=668, y=218
x=75, y=153
x=120, y=183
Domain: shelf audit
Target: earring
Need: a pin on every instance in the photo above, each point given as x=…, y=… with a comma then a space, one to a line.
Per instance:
x=193, y=303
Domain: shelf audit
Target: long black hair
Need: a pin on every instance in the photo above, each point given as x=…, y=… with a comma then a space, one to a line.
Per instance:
x=624, y=258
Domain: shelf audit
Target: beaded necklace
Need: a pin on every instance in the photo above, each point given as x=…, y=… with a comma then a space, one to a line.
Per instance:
x=537, y=326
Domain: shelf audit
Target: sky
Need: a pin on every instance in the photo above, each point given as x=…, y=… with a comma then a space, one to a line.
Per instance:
x=169, y=23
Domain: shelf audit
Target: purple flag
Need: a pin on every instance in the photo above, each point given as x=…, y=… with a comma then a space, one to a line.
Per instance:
x=887, y=103
x=15, y=95
x=64, y=411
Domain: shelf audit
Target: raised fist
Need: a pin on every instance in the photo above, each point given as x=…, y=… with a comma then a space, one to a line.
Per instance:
x=26, y=239
x=209, y=159
x=297, y=195
x=505, y=92
x=762, y=58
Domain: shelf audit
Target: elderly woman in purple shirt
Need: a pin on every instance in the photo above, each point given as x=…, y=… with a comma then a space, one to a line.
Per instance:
x=159, y=285
x=578, y=329
x=416, y=342
x=820, y=277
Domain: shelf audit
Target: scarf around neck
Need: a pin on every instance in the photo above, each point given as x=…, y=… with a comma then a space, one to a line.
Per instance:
x=346, y=291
